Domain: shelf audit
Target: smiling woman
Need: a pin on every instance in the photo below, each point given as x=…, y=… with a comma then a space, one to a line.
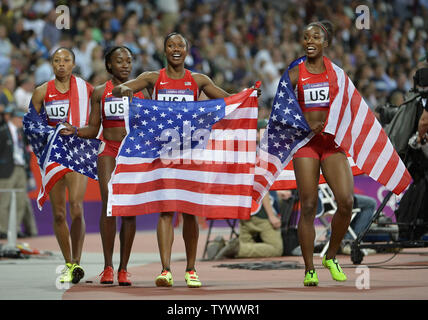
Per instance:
x=321, y=152
x=174, y=83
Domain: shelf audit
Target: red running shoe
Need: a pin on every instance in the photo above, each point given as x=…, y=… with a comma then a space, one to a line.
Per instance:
x=108, y=276
x=122, y=278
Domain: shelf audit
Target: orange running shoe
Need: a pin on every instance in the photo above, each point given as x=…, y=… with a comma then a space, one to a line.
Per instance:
x=108, y=276
x=122, y=278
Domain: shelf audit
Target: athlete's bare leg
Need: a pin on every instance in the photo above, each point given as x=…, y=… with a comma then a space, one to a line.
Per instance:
x=105, y=166
x=165, y=235
x=307, y=176
x=190, y=236
x=338, y=175
x=57, y=197
x=127, y=235
x=76, y=184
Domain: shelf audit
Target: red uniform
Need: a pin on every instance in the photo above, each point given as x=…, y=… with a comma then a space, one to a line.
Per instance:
x=167, y=89
x=112, y=113
x=56, y=104
x=313, y=95
x=72, y=106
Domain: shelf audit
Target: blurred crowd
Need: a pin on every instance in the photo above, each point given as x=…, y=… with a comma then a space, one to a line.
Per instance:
x=234, y=42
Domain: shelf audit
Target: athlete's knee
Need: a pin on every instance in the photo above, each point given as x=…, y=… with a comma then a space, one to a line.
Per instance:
x=129, y=220
x=76, y=207
x=59, y=217
x=189, y=217
x=308, y=208
x=345, y=204
x=166, y=216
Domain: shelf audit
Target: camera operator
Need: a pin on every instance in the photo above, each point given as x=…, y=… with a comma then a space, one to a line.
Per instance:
x=401, y=123
x=423, y=121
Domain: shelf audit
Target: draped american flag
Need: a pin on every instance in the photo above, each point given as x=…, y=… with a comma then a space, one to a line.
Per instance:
x=286, y=132
x=191, y=157
x=350, y=120
x=56, y=154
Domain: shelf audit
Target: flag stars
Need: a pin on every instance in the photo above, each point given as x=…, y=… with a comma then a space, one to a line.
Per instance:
x=298, y=117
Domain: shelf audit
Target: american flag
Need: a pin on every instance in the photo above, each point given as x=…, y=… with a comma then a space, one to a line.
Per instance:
x=286, y=132
x=191, y=157
x=350, y=120
x=57, y=154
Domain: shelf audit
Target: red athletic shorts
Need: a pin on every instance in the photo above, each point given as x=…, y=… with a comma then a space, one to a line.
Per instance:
x=319, y=147
x=109, y=148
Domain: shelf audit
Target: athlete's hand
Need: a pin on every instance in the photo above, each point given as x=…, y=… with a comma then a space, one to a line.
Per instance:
x=68, y=131
x=257, y=86
x=123, y=91
x=316, y=127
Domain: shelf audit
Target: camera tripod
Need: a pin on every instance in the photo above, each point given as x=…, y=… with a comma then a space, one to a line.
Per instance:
x=357, y=255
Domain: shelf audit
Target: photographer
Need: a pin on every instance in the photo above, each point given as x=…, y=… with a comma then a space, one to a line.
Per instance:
x=412, y=212
x=423, y=89
x=423, y=125
x=401, y=123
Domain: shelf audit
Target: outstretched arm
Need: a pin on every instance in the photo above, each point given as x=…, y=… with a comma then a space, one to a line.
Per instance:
x=207, y=86
x=144, y=80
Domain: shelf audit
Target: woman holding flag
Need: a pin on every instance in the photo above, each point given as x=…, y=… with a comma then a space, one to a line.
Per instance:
x=66, y=98
x=313, y=96
x=109, y=111
x=174, y=83
x=340, y=123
